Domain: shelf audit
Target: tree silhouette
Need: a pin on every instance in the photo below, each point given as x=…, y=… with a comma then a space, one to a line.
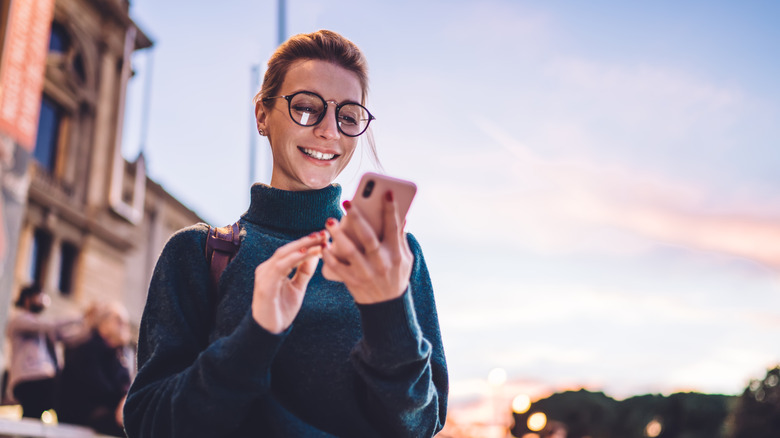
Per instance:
x=593, y=414
x=757, y=414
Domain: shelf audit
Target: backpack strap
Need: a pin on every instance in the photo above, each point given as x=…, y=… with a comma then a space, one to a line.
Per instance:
x=222, y=244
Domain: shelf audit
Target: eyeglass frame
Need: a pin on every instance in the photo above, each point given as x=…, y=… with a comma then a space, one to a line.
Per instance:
x=289, y=97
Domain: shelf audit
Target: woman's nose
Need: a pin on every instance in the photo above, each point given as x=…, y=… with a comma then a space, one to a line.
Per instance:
x=328, y=127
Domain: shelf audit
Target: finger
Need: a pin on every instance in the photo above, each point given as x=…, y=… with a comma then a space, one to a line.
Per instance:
x=328, y=272
x=286, y=257
x=405, y=243
x=338, y=270
x=339, y=239
x=344, y=248
x=365, y=237
x=304, y=272
x=312, y=240
x=392, y=226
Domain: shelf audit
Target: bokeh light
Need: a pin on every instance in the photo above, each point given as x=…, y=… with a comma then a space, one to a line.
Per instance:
x=654, y=428
x=49, y=417
x=537, y=421
x=521, y=404
x=497, y=377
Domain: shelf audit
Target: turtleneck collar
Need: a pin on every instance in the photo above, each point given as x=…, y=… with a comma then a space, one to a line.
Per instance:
x=299, y=212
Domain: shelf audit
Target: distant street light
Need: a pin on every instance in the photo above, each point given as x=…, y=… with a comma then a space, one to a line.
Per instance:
x=537, y=421
x=497, y=377
x=521, y=404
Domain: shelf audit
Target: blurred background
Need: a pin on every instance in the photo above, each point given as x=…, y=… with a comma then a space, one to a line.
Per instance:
x=598, y=201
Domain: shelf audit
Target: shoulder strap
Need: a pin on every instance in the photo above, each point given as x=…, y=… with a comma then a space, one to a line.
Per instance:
x=222, y=245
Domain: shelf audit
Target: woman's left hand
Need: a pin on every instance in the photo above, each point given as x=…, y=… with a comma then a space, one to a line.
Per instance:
x=373, y=270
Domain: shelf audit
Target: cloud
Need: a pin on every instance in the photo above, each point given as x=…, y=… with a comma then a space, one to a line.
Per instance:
x=646, y=94
x=558, y=205
x=724, y=369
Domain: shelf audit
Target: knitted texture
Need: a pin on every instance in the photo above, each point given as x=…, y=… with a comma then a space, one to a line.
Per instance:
x=207, y=369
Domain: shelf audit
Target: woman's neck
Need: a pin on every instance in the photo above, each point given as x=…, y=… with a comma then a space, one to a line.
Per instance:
x=297, y=212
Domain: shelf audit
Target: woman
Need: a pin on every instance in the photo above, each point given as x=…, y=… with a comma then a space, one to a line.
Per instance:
x=278, y=350
x=96, y=377
x=33, y=368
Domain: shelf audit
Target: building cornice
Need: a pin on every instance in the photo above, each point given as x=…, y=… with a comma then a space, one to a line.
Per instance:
x=55, y=199
x=118, y=10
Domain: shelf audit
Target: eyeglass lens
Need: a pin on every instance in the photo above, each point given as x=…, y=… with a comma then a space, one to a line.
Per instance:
x=308, y=109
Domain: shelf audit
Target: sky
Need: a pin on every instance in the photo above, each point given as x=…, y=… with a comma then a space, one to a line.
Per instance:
x=598, y=186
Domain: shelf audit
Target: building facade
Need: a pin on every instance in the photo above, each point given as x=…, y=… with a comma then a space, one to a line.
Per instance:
x=93, y=223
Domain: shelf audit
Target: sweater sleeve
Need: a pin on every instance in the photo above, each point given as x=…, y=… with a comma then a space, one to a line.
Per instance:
x=25, y=322
x=400, y=359
x=186, y=387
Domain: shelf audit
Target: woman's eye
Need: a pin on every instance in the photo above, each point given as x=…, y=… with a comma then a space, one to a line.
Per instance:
x=348, y=119
x=306, y=109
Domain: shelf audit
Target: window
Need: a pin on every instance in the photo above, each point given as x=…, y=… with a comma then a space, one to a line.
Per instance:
x=68, y=253
x=48, y=134
x=39, y=256
x=59, y=41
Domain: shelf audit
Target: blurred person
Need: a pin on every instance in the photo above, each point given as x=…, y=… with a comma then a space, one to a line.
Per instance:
x=96, y=377
x=278, y=349
x=33, y=367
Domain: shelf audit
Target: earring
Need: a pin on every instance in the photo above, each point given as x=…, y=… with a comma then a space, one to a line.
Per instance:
x=261, y=132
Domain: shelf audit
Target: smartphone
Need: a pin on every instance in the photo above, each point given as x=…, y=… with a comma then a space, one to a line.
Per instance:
x=370, y=195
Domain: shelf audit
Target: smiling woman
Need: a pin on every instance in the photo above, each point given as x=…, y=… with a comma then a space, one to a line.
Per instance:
x=302, y=161
x=276, y=349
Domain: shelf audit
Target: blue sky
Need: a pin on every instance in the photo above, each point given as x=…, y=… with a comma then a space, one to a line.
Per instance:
x=598, y=200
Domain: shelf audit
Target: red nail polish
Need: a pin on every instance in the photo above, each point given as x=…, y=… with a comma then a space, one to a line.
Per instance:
x=389, y=196
x=330, y=222
x=324, y=245
x=314, y=234
x=347, y=205
x=303, y=250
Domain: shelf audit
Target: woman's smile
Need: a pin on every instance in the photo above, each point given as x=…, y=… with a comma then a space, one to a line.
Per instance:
x=318, y=155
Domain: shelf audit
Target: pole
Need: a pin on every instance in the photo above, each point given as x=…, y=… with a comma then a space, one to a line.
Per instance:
x=255, y=72
x=282, y=28
x=255, y=79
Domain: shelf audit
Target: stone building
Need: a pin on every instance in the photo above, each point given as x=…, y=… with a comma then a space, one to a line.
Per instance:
x=93, y=223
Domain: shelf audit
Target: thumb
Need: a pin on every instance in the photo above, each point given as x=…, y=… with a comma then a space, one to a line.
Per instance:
x=304, y=271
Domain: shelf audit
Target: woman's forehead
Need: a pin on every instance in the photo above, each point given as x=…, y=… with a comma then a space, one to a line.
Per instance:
x=331, y=81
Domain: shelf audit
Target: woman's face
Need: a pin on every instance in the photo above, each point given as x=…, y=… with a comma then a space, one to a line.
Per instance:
x=309, y=157
x=115, y=329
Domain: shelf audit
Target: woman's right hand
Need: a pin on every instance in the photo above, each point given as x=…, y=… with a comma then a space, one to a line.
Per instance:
x=277, y=298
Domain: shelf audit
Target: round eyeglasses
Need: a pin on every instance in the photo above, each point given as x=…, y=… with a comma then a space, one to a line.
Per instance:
x=308, y=109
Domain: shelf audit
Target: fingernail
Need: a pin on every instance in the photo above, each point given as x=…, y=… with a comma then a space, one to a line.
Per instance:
x=330, y=222
x=323, y=233
x=323, y=245
x=347, y=205
x=389, y=196
x=303, y=250
x=314, y=234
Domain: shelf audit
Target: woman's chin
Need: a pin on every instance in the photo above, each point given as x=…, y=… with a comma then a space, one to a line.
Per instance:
x=318, y=181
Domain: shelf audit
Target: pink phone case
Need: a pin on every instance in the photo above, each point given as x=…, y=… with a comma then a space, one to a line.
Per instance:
x=371, y=193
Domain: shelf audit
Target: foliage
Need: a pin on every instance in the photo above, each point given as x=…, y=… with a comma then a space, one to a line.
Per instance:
x=585, y=413
x=757, y=414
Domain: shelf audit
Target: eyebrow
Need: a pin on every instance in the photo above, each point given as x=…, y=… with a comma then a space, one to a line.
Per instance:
x=326, y=100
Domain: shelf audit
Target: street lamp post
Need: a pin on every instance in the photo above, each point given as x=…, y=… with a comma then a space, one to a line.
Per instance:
x=281, y=27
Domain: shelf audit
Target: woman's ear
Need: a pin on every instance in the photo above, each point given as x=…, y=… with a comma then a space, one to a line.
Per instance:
x=260, y=117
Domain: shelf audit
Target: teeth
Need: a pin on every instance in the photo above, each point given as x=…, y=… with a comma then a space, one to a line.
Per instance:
x=318, y=155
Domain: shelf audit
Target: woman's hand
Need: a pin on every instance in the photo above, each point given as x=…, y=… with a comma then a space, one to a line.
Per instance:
x=118, y=417
x=373, y=270
x=277, y=298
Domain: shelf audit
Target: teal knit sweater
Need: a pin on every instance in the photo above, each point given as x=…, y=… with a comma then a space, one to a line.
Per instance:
x=207, y=369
